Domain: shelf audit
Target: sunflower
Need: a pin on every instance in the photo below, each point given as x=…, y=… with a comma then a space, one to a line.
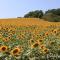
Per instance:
x=9, y=37
x=16, y=51
x=42, y=46
x=40, y=40
x=6, y=39
x=3, y=48
x=46, y=33
x=21, y=36
x=13, y=32
x=10, y=33
x=32, y=41
x=45, y=50
x=55, y=30
x=35, y=45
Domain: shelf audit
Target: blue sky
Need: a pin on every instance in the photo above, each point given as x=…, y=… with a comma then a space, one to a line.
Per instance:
x=17, y=8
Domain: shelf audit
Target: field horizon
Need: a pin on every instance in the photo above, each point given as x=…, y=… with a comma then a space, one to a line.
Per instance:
x=27, y=21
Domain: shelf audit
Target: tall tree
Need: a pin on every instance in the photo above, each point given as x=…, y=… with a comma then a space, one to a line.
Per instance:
x=34, y=14
x=54, y=11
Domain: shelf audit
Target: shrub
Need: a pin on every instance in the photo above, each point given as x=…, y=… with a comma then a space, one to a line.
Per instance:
x=51, y=17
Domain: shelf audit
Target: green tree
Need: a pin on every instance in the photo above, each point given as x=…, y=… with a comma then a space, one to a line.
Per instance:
x=34, y=14
x=54, y=11
x=52, y=15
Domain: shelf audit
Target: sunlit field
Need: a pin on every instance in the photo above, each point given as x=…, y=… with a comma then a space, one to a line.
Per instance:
x=29, y=39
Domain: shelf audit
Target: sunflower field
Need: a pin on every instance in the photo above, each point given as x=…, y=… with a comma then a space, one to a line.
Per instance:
x=31, y=42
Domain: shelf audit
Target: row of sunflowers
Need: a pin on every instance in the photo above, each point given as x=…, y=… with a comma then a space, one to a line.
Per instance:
x=29, y=42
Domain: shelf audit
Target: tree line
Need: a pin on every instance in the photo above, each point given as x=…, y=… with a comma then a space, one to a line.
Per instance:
x=52, y=15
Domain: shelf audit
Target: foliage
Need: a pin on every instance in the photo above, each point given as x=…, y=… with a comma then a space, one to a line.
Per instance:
x=54, y=11
x=34, y=14
x=52, y=15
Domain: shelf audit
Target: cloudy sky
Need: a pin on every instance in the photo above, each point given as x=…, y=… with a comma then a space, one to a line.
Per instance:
x=17, y=8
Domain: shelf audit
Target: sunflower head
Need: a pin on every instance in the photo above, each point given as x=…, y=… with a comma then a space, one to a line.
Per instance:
x=55, y=30
x=15, y=51
x=46, y=50
x=6, y=39
x=40, y=40
x=42, y=46
x=35, y=45
x=3, y=48
x=46, y=33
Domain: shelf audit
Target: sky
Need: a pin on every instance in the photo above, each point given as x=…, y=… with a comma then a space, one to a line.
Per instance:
x=18, y=8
